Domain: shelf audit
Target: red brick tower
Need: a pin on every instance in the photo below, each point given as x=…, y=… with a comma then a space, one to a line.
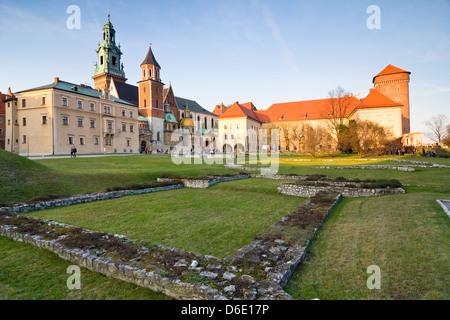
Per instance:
x=151, y=96
x=393, y=82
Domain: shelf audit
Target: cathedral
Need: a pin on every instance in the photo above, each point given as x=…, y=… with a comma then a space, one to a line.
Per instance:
x=161, y=113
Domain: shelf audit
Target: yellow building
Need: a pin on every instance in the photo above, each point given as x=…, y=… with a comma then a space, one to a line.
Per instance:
x=51, y=119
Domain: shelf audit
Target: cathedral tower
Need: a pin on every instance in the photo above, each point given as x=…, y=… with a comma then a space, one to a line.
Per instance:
x=151, y=96
x=109, y=55
x=393, y=82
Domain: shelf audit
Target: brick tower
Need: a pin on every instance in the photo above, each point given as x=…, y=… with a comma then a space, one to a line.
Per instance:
x=108, y=65
x=393, y=82
x=151, y=96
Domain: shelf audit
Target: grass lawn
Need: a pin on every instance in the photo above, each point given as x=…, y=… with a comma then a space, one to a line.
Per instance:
x=22, y=179
x=27, y=273
x=215, y=221
x=406, y=235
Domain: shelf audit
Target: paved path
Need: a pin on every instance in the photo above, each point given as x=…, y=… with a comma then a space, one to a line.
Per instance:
x=84, y=156
x=445, y=204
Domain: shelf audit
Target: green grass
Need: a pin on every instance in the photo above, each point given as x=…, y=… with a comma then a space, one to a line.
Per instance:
x=215, y=221
x=27, y=273
x=23, y=179
x=407, y=236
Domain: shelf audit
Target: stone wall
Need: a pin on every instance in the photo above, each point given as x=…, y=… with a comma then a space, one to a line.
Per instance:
x=83, y=198
x=203, y=183
x=373, y=167
x=310, y=191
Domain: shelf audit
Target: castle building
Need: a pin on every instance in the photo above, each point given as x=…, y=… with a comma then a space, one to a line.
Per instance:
x=53, y=118
x=160, y=111
x=386, y=104
x=2, y=120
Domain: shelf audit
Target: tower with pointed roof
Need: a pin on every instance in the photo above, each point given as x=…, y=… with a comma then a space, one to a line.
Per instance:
x=151, y=96
x=393, y=82
x=109, y=65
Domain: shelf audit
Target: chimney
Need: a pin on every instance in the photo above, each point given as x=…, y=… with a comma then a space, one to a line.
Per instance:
x=56, y=80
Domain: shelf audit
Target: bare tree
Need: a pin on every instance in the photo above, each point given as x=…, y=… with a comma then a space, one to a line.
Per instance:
x=337, y=111
x=438, y=127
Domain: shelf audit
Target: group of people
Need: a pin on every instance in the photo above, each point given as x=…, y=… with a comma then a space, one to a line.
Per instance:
x=73, y=152
x=428, y=153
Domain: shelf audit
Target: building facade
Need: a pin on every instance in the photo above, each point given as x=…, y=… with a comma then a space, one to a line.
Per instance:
x=387, y=104
x=2, y=120
x=52, y=119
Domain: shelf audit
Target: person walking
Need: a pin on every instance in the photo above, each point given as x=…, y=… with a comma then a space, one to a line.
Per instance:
x=74, y=152
x=71, y=152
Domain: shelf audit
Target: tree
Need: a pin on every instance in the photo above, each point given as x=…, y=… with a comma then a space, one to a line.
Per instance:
x=368, y=137
x=337, y=111
x=438, y=127
x=446, y=140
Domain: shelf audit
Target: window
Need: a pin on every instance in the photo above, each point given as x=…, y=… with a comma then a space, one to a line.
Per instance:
x=158, y=136
x=109, y=125
x=108, y=142
x=9, y=142
x=24, y=103
x=96, y=141
x=80, y=122
x=92, y=124
x=92, y=107
x=9, y=122
x=128, y=143
x=70, y=140
x=143, y=74
x=82, y=141
x=157, y=104
x=1, y=120
x=101, y=60
x=226, y=137
x=131, y=128
x=145, y=103
x=43, y=100
x=80, y=104
x=24, y=139
x=65, y=120
x=131, y=114
x=114, y=61
x=1, y=131
x=24, y=122
x=124, y=127
x=64, y=102
x=123, y=113
x=44, y=119
x=107, y=109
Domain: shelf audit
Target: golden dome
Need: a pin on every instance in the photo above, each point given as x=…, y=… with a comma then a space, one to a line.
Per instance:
x=187, y=122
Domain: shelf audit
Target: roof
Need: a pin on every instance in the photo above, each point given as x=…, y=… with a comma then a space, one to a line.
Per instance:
x=376, y=99
x=219, y=109
x=80, y=89
x=169, y=117
x=191, y=105
x=127, y=92
x=241, y=110
x=294, y=111
x=150, y=58
x=390, y=69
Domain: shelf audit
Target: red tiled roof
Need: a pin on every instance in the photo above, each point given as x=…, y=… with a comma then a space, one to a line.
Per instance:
x=241, y=110
x=218, y=110
x=390, y=69
x=377, y=99
x=303, y=110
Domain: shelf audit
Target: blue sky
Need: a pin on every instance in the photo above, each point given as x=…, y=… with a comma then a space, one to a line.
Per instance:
x=215, y=51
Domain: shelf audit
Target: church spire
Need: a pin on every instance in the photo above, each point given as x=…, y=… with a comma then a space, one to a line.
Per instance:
x=150, y=67
x=109, y=55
